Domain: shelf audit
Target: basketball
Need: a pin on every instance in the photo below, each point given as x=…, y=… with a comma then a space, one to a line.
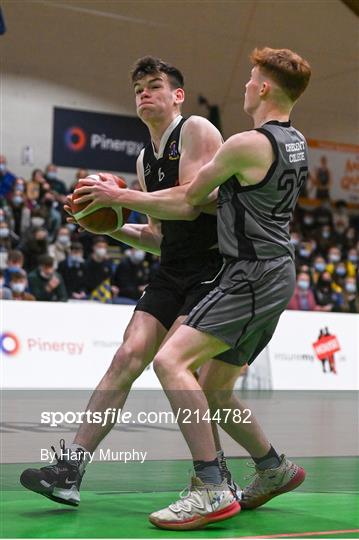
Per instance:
x=103, y=219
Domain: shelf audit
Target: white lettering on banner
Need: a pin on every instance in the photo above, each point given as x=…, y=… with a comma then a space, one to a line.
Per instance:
x=130, y=148
x=327, y=347
x=69, y=347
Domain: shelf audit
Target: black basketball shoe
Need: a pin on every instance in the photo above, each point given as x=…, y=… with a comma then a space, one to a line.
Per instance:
x=226, y=473
x=60, y=482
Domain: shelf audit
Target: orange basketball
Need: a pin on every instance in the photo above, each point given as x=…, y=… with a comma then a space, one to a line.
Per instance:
x=104, y=219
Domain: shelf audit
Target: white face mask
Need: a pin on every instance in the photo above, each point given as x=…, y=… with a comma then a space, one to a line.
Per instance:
x=101, y=252
x=137, y=256
x=64, y=240
x=4, y=233
x=18, y=287
x=37, y=221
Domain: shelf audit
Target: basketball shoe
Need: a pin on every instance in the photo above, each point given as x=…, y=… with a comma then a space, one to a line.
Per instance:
x=198, y=506
x=226, y=473
x=60, y=482
x=269, y=483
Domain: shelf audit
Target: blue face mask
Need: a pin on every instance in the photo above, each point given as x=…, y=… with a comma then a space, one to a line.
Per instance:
x=340, y=271
x=51, y=175
x=353, y=258
x=320, y=267
x=2, y=167
x=303, y=284
x=350, y=287
x=304, y=253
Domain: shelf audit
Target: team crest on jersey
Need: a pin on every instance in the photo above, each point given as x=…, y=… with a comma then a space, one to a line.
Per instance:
x=173, y=155
x=147, y=169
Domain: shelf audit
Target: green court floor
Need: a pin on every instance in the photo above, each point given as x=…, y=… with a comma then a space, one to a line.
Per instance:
x=116, y=499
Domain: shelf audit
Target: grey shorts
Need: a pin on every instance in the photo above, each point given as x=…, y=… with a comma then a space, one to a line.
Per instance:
x=243, y=311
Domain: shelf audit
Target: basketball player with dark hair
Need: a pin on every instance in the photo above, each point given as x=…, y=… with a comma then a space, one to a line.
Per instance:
x=184, y=236
x=259, y=174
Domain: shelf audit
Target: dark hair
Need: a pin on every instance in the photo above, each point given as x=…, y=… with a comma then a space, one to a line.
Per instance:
x=286, y=67
x=148, y=65
x=17, y=275
x=46, y=260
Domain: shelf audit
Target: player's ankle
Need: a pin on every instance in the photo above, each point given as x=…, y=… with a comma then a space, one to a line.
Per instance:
x=271, y=460
x=208, y=471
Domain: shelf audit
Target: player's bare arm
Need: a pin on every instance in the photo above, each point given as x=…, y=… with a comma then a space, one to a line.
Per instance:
x=247, y=156
x=200, y=141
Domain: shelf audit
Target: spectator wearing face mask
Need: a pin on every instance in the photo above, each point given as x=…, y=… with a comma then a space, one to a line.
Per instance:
x=303, y=297
x=15, y=263
x=7, y=179
x=319, y=266
x=98, y=268
x=305, y=252
x=18, y=285
x=352, y=262
x=45, y=283
x=60, y=249
x=5, y=292
x=325, y=238
x=57, y=186
x=34, y=245
x=350, y=296
x=21, y=214
x=334, y=256
x=72, y=270
x=49, y=208
x=8, y=239
x=307, y=224
x=327, y=299
x=131, y=277
x=37, y=187
x=339, y=275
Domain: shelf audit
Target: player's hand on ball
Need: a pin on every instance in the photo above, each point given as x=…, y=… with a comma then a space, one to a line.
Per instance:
x=99, y=194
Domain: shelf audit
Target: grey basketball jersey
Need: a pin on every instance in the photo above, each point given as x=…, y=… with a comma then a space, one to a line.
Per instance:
x=253, y=221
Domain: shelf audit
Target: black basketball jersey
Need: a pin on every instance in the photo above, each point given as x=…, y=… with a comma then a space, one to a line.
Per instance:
x=253, y=221
x=182, y=240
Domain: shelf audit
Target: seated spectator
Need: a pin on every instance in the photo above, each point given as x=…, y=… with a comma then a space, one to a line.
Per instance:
x=72, y=270
x=18, y=285
x=37, y=187
x=7, y=179
x=33, y=246
x=5, y=292
x=327, y=299
x=15, y=263
x=98, y=268
x=351, y=237
x=325, y=238
x=305, y=252
x=319, y=266
x=341, y=217
x=303, y=297
x=57, y=186
x=350, y=296
x=20, y=212
x=307, y=223
x=50, y=210
x=352, y=262
x=339, y=274
x=60, y=249
x=131, y=277
x=8, y=239
x=45, y=283
x=334, y=256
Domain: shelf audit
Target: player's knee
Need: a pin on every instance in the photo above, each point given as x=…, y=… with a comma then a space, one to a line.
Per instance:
x=161, y=365
x=128, y=360
x=217, y=397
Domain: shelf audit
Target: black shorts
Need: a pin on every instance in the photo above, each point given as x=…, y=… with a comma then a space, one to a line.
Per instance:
x=175, y=290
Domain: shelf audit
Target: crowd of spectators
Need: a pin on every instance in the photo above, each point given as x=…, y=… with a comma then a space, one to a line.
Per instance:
x=44, y=258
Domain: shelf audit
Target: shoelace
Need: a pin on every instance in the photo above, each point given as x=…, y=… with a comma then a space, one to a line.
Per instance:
x=62, y=448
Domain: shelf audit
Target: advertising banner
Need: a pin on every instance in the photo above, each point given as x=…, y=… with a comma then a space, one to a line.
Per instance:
x=315, y=351
x=92, y=140
x=341, y=169
x=62, y=345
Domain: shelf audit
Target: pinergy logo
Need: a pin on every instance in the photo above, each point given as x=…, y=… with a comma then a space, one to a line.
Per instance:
x=9, y=343
x=75, y=138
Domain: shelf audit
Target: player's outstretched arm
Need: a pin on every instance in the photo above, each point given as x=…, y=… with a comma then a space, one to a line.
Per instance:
x=200, y=141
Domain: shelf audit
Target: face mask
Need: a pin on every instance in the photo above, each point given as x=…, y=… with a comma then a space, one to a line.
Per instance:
x=17, y=200
x=303, y=284
x=64, y=240
x=308, y=220
x=51, y=175
x=71, y=227
x=137, y=256
x=4, y=233
x=294, y=241
x=325, y=234
x=353, y=258
x=304, y=253
x=18, y=287
x=37, y=221
x=13, y=268
x=2, y=167
x=101, y=252
x=46, y=276
x=350, y=287
x=20, y=187
x=334, y=258
x=77, y=259
x=320, y=267
x=340, y=271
